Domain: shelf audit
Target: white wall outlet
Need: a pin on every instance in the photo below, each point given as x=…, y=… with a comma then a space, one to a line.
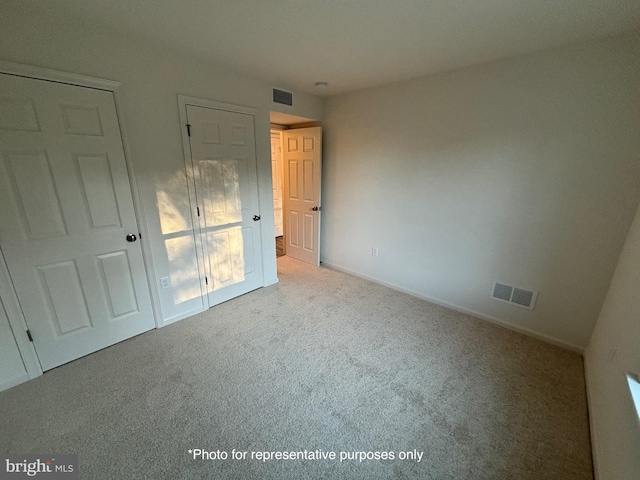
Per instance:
x=374, y=251
x=165, y=283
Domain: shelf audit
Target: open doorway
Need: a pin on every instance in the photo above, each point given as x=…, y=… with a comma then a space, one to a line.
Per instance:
x=296, y=158
x=278, y=191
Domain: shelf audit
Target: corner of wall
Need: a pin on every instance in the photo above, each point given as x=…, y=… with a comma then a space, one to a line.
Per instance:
x=613, y=351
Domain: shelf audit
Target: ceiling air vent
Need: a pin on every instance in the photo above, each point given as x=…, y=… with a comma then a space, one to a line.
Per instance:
x=513, y=295
x=282, y=97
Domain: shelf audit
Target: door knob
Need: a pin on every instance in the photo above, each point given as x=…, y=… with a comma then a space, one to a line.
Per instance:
x=131, y=238
x=316, y=209
x=256, y=218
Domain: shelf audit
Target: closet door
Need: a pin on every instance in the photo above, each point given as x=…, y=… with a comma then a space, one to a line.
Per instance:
x=223, y=160
x=68, y=230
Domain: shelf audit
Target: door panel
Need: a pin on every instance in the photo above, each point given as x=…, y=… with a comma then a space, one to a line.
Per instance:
x=63, y=297
x=98, y=191
x=224, y=164
x=309, y=181
x=34, y=194
x=118, y=283
x=302, y=158
x=292, y=168
x=293, y=239
x=82, y=120
x=65, y=209
x=308, y=230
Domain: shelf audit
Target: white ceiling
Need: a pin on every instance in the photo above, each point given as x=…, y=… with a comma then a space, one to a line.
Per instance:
x=352, y=44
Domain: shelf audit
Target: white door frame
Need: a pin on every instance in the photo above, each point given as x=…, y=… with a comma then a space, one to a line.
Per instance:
x=183, y=101
x=280, y=172
x=7, y=294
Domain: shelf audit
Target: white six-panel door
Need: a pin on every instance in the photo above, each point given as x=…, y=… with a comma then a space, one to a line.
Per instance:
x=65, y=210
x=302, y=165
x=223, y=160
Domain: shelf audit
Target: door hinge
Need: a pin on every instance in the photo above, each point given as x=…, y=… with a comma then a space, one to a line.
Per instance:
x=206, y=280
x=198, y=209
x=29, y=335
x=188, y=129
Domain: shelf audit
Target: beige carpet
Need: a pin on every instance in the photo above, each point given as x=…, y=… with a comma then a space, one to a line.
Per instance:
x=321, y=361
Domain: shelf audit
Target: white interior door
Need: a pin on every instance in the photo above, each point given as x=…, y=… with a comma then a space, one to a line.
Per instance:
x=276, y=173
x=302, y=167
x=65, y=210
x=224, y=165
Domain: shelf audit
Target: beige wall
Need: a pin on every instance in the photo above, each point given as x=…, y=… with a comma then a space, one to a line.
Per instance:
x=525, y=171
x=614, y=349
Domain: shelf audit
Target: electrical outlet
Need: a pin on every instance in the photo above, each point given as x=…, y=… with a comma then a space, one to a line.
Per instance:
x=374, y=251
x=165, y=283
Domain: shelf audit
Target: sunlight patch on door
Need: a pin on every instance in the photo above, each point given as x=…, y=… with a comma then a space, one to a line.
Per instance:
x=178, y=238
x=220, y=181
x=226, y=257
x=174, y=205
x=185, y=279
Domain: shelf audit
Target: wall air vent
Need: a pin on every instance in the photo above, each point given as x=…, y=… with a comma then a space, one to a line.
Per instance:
x=513, y=295
x=282, y=97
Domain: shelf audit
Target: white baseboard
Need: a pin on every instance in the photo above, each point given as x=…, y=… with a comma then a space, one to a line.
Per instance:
x=593, y=430
x=14, y=381
x=466, y=311
x=181, y=316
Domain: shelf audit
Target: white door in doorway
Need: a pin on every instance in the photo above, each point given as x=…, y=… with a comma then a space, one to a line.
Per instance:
x=223, y=160
x=302, y=167
x=65, y=212
x=276, y=173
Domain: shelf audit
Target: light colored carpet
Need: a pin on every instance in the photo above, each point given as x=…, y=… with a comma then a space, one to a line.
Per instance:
x=322, y=360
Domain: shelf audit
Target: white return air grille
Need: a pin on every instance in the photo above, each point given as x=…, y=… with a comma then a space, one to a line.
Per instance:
x=513, y=295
